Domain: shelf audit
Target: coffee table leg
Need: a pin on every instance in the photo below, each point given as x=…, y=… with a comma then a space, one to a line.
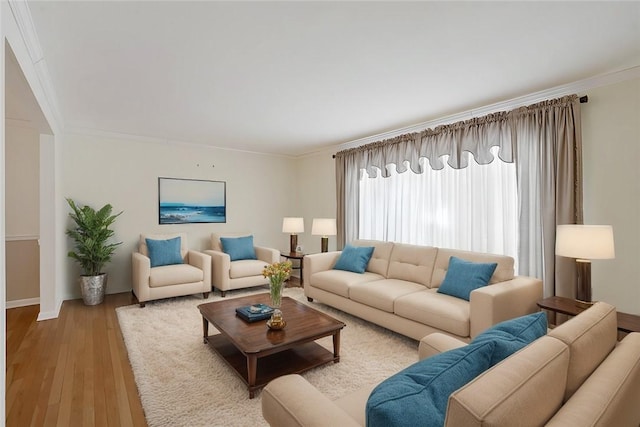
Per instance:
x=336, y=346
x=252, y=365
x=205, y=330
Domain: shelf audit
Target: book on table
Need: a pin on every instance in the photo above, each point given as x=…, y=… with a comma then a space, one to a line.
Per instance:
x=254, y=312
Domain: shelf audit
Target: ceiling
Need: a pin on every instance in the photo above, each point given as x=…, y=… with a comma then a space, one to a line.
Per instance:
x=294, y=77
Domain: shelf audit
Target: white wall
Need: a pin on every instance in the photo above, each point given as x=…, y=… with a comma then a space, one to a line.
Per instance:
x=611, y=156
x=124, y=172
x=22, y=172
x=316, y=178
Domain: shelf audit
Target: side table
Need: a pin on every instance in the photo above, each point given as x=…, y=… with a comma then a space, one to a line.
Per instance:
x=296, y=256
x=626, y=322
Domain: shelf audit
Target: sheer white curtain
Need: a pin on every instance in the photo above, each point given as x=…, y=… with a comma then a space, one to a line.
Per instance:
x=474, y=208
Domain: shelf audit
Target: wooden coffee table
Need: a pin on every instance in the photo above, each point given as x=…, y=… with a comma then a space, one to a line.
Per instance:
x=258, y=354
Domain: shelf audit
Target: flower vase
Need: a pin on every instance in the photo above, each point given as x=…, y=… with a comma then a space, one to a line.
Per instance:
x=275, y=292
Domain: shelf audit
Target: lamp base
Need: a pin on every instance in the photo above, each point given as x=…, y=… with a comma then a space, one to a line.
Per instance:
x=583, y=293
x=293, y=243
x=324, y=244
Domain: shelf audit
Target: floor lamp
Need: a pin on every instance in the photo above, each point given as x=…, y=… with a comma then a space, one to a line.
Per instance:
x=293, y=226
x=324, y=227
x=584, y=243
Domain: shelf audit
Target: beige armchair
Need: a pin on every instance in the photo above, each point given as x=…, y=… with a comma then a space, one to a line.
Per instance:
x=245, y=273
x=191, y=276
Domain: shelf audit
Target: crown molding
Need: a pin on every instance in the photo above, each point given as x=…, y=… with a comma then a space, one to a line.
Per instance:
x=24, y=22
x=75, y=130
x=22, y=16
x=578, y=87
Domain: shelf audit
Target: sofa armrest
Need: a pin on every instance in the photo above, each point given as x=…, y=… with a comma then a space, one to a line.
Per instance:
x=502, y=301
x=203, y=262
x=267, y=254
x=314, y=263
x=220, y=266
x=141, y=272
x=437, y=343
x=291, y=400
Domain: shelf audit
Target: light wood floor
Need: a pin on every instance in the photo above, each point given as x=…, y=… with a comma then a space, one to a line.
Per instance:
x=70, y=371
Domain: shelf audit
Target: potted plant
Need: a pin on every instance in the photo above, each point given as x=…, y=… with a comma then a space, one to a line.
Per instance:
x=91, y=235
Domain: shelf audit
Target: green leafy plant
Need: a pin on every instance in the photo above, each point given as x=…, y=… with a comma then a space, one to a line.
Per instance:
x=91, y=235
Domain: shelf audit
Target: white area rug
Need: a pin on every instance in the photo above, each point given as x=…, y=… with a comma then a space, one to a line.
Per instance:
x=182, y=382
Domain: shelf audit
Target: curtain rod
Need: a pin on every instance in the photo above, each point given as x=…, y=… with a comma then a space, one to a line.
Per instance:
x=583, y=100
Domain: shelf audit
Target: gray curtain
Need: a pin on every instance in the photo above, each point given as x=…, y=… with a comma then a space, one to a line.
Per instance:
x=543, y=139
x=548, y=143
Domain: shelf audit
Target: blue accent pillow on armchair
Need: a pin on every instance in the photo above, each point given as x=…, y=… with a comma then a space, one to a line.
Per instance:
x=354, y=258
x=419, y=394
x=464, y=276
x=514, y=334
x=164, y=252
x=238, y=247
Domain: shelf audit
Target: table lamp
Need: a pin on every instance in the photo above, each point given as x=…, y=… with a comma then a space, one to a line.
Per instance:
x=324, y=227
x=293, y=226
x=584, y=243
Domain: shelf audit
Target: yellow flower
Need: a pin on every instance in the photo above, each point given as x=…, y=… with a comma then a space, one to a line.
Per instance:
x=278, y=271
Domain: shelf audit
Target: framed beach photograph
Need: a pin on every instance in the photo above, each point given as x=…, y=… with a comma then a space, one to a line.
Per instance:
x=189, y=201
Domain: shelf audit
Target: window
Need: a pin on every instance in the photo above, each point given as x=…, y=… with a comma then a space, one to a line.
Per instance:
x=475, y=208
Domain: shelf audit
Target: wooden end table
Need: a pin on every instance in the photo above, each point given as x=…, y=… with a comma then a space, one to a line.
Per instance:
x=300, y=257
x=626, y=322
x=258, y=354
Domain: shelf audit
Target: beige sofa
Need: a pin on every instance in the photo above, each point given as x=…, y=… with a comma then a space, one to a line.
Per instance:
x=398, y=290
x=576, y=376
x=227, y=275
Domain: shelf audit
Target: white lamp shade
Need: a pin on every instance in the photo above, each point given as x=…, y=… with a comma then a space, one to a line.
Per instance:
x=292, y=225
x=324, y=227
x=585, y=241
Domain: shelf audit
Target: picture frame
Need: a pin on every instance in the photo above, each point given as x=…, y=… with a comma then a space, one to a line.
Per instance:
x=191, y=201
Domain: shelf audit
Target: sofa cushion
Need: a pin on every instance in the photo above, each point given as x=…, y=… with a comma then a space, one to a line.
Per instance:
x=503, y=272
x=338, y=281
x=512, y=335
x=590, y=336
x=464, y=276
x=525, y=389
x=238, y=247
x=440, y=311
x=382, y=294
x=417, y=395
x=177, y=274
x=412, y=263
x=246, y=268
x=354, y=258
x=379, y=262
x=164, y=252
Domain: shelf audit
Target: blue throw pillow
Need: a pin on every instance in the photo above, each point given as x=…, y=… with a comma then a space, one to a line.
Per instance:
x=354, y=258
x=514, y=334
x=418, y=395
x=238, y=247
x=464, y=276
x=164, y=252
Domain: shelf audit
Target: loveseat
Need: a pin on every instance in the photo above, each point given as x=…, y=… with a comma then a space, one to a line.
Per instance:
x=577, y=375
x=398, y=290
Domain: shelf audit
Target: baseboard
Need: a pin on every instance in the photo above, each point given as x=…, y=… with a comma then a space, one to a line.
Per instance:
x=50, y=314
x=22, y=302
